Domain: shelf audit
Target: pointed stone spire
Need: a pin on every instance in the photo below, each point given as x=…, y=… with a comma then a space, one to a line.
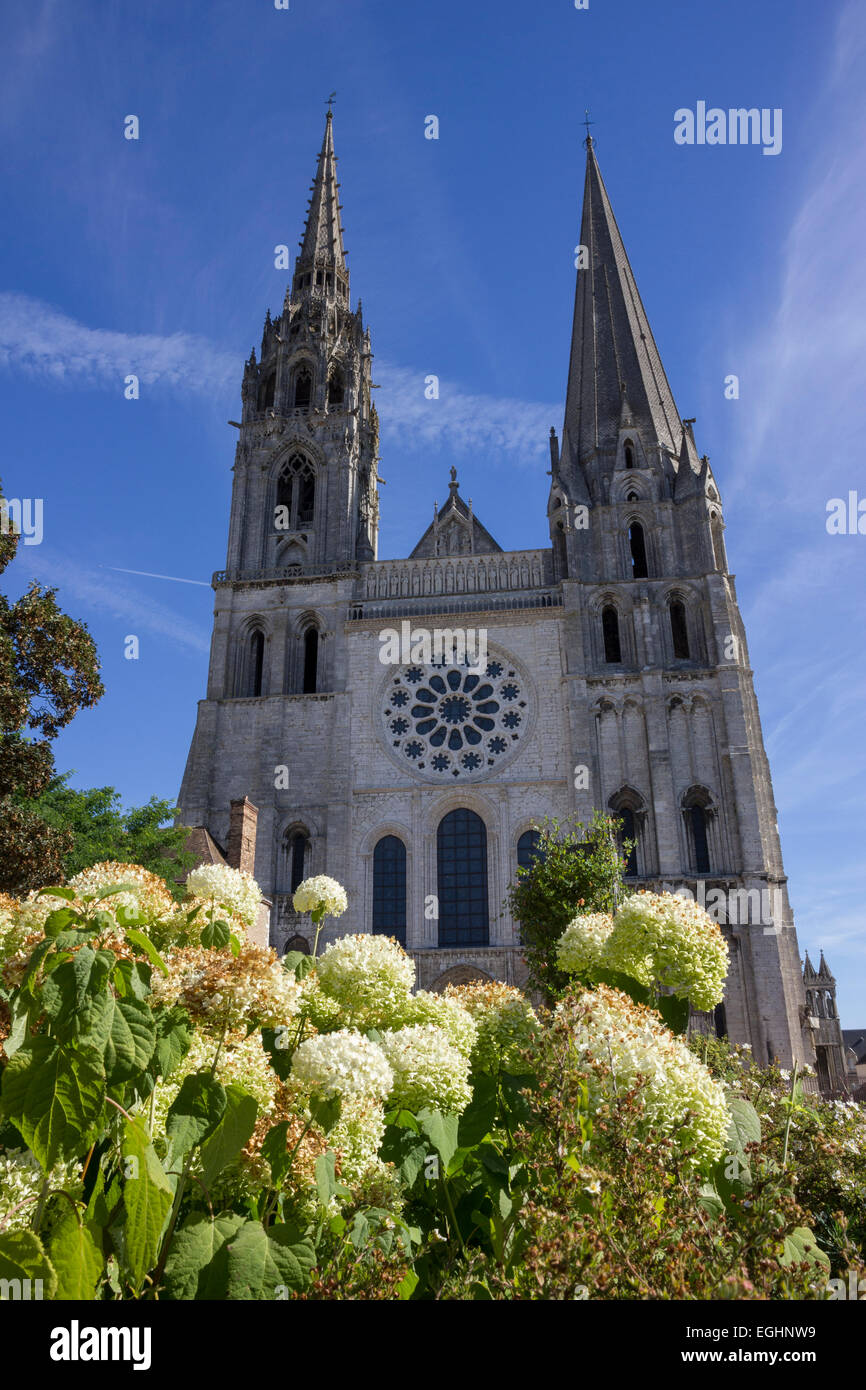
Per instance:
x=808, y=969
x=614, y=358
x=322, y=243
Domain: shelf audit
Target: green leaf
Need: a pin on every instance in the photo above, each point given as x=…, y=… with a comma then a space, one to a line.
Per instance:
x=280, y=1055
x=144, y=943
x=480, y=1115
x=260, y=1262
x=174, y=1034
x=147, y=1200
x=54, y=1094
x=675, y=1012
x=215, y=935
x=234, y=1128
x=193, y=1114
x=641, y=994
x=129, y=916
x=56, y=921
x=441, y=1130
x=68, y=893
x=192, y=1270
x=275, y=1152
x=132, y=978
x=124, y=1032
x=72, y=985
x=801, y=1247
x=745, y=1126
x=407, y=1285
x=325, y=1112
x=326, y=1181
x=22, y=1257
x=76, y=1253
x=298, y=963
x=112, y=888
x=711, y=1201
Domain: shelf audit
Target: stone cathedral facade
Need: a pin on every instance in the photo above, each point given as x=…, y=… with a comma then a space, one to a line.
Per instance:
x=615, y=675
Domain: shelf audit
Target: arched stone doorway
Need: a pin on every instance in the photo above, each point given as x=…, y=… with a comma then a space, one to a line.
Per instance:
x=459, y=975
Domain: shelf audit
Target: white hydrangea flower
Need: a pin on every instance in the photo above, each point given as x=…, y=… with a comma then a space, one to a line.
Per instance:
x=321, y=893
x=505, y=1021
x=233, y=889
x=672, y=940
x=620, y=1041
x=446, y=1012
x=356, y=1137
x=584, y=942
x=345, y=1063
x=21, y=1180
x=370, y=977
x=428, y=1070
x=221, y=990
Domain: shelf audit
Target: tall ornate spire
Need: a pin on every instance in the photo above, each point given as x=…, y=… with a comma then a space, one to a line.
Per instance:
x=321, y=246
x=613, y=352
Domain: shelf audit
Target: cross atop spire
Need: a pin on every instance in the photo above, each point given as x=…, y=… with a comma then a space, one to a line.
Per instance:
x=587, y=122
x=613, y=352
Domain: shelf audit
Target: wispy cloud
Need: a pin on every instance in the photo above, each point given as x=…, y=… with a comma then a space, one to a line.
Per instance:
x=114, y=598
x=39, y=339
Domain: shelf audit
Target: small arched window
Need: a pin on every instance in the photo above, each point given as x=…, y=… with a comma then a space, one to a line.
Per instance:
x=297, y=850
x=629, y=454
x=628, y=831
x=256, y=658
x=335, y=387
x=528, y=849
x=697, y=820
x=268, y=392
x=679, y=629
x=632, y=497
x=389, y=888
x=637, y=546
x=311, y=660
x=303, y=388
x=610, y=632
x=298, y=943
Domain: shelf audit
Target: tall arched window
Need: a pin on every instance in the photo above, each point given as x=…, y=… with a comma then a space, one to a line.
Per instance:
x=697, y=821
x=311, y=660
x=461, y=859
x=560, y=551
x=303, y=388
x=637, y=546
x=297, y=852
x=389, y=888
x=296, y=491
x=679, y=629
x=335, y=387
x=717, y=532
x=256, y=662
x=528, y=848
x=628, y=831
x=629, y=454
x=268, y=391
x=610, y=632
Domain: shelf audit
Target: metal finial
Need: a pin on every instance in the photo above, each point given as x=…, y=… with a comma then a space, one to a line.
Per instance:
x=587, y=122
x=331, y=99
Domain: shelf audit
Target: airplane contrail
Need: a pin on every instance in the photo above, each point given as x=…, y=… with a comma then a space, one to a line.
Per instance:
x=146, y=574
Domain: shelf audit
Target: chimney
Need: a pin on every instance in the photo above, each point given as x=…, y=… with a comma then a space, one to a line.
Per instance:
x=241, y=851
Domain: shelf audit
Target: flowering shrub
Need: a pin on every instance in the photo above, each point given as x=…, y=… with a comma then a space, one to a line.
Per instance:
x=584, y=942
x=429, y=1072
x=445, y=1011
x=343, y=1064
x=672, y=940
x=234, y=890
x=370, y=978
x=506, y=1025
x=320, y=895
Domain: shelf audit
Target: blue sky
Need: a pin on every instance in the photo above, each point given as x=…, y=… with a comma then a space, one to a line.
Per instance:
x=156, y=257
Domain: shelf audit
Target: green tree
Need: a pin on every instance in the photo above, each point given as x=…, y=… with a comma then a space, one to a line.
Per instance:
x=101, y=830
x=49, y=670
x=576, y=868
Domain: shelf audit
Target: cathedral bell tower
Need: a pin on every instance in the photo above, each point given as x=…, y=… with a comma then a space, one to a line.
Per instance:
x=305, y=486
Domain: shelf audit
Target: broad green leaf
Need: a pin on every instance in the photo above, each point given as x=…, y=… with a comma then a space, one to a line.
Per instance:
x=325, y=1112
x=144, y=943
x=259, y=1261
x=193, y=1114
x=801, y=1247
x=298, y=963
x=132, y=978
x=174, y=1033
x=147, y=1200
x=235, y=1126
x=407, y=1285
x=124, y=1032
x=274, y=1041
x=22, y=1257
x=54, y=1094
x=72, y=985
x=110, y=889
x=441, y=1130
x=215, y=935
x=275, y=1152
x=191, y=1270
x=326, y=1181
x=129, y=916
x=56, y=921
x=710, y=1200
x=67, y=893
x=479, y=1116
x=76, y=1253
x=745, y=1126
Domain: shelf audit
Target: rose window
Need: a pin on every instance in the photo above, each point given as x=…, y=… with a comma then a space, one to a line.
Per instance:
x=454, y=721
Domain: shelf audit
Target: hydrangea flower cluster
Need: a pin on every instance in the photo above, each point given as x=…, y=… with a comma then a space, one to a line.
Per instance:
x=356, y=1137
x=620, y=1043
x=584, y=942
x=370, y=977
x=505, y=1021
x=345, y=1063
x=672, y=940
x=242, y=1060
x=447, y=1012
x=21, y=1180
x=232, y=889
x=320, y=894
x=224, y=991
x=428, y=1069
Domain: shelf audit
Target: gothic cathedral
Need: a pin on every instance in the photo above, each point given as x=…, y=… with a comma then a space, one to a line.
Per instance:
x=615, y=669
